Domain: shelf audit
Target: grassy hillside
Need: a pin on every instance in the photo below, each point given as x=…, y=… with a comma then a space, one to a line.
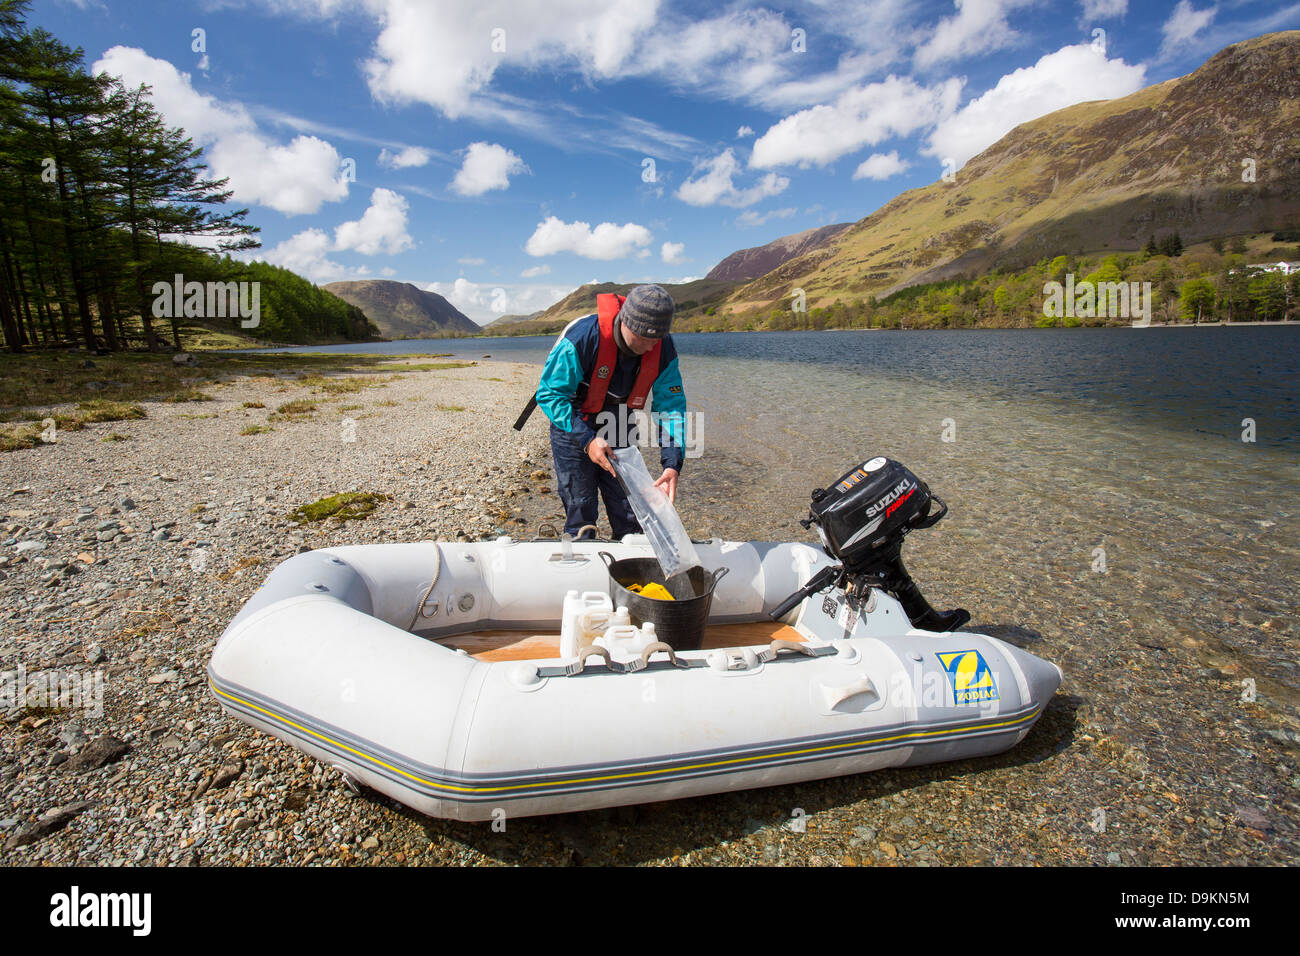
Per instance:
x=1092, y=178
x=1207, y=282
x=746, y=264
x=402, y=310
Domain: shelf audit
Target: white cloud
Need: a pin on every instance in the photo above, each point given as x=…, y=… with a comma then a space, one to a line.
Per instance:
x=1104, y=9
x=482, y=303
x=1073, y=74
x=813, y=89
x=534, y=271
x=381, y=228
x=466, y=295
x=606, y=241
x=405, y=158
x=486, y=166
x=978, y=27
x=881, y=166
x=747, y=54
x=306, y=253
x=442, y=54
x=671, y=252
x=751, y=218
x=1184, y=23
x=471, y=261
x=744, y=131
x=733, y=54
x=388, y=272
x=896, y=106
x=293, y=178
x=568, y=127
x=714, y=184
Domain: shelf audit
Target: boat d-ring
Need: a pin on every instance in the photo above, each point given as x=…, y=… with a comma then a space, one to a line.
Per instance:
x=777, y=646
x=651, y=649
x=773, y=650
x=589, y=650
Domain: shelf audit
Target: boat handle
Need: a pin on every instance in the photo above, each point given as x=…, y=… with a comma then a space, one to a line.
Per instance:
x=929, y=521
x=834, y=696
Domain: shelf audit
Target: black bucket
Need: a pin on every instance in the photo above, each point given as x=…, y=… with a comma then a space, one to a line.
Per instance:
x=679, y=623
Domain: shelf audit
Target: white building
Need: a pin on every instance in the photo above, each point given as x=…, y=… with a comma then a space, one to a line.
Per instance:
x=1286, y=268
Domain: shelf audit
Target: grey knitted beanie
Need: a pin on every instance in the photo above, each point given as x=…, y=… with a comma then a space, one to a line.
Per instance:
x=648, y=311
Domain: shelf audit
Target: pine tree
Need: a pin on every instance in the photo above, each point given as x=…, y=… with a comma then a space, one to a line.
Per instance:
x=61, y=103
x=160, y=191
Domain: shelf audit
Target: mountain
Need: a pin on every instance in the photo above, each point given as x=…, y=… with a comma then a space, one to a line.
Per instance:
x=691, y=298
x=759, y=260
x=401, y=310
x=1103, y=175
x=508, y=319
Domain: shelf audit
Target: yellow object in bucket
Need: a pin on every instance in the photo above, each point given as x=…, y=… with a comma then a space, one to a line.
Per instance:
x=651, y=590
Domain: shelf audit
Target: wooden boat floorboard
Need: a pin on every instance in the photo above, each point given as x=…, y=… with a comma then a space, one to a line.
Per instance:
x=494, y=646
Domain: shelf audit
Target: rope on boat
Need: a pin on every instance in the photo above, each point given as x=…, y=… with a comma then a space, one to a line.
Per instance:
x=419, y=608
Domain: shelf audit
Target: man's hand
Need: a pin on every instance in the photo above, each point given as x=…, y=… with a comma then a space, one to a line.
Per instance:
x=667, y=483
x=598, y=451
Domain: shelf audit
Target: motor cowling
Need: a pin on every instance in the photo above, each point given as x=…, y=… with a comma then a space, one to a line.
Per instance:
x=869, y=508
x=862, y=520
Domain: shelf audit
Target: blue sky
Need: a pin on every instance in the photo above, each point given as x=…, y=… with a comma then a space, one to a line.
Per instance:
x=502, y=154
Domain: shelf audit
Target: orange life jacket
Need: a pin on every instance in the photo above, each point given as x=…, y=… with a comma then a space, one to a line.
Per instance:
x=607, y=306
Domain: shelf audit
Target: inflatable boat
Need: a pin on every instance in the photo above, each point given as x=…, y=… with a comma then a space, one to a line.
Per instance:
x=485, y=679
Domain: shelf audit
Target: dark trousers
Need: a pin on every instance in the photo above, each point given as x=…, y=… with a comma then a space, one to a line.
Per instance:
x=579, y=479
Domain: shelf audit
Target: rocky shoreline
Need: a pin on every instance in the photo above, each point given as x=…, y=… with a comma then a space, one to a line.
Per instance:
x=126, y=558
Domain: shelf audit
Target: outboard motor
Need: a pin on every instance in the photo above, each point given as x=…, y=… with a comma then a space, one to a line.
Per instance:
x=862, y=520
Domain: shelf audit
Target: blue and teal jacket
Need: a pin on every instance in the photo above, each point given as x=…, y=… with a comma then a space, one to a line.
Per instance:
x=569, y=368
